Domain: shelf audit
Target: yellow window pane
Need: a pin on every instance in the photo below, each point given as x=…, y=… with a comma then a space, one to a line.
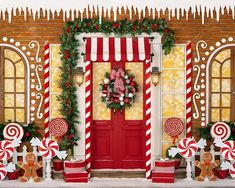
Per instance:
x=100, y=111
x=215, y=69
x=179, y=80
x=9, y=115
x=11, y=55
x=223, y=55
x=179, y=106
x=226, y=87
x=167, y=80
x=168, y=106
x=9, y=85
x=55, y=78
x=55, y=57
x=8, y=69
x=176, y=59
x=54, y=101
x=136, y=111
x=165, y=146
x=20, y=115
x=55, y=112
x=215, y=114
x=19, y=85
x=19, y=100
x=226, y=69
x=225, y=115
x=215, y=85
x=226, y=100
x=20, y=68
x=215, y=100
x=9, y=100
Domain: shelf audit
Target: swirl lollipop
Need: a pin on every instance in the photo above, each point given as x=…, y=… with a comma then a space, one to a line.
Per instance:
x=220, y=130
x=232, y=170
x=48, y=148
x=228, y=150
x=58, y=127
x=6, y=150
x=3, y=171
x=187, y=147
x=174, y=127
x=13, y=130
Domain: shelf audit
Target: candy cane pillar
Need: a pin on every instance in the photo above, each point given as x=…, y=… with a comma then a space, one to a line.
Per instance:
x=188, y=89
x=88, y=116
x=148, y=117
x=46, y=88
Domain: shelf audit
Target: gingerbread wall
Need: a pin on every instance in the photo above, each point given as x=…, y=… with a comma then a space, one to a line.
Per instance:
x=214, y=33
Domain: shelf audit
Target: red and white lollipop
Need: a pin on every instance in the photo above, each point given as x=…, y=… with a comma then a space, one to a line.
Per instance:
x=58, y=127
x=232, y=170
x=187, y=147
x=220, y=130
x=48, y=148
x=3, y=171
x=228, y=150
x=174, y=127
x=13, y=130
x=6, y=150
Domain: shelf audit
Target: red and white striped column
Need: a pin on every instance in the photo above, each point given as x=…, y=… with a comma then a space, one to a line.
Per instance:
x=188, y=89
x=88, y=116
x=148, y=117
x=46, y=87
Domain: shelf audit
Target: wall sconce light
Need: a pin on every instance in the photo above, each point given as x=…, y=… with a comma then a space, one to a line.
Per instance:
x=155, y=75
x=79, y=75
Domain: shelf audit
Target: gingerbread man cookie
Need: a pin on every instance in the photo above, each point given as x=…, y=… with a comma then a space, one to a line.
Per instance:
x=206, y=167
x=30, y=168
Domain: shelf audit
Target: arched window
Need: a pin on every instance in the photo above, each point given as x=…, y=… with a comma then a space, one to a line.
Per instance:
x=13, y=87
x=222, y=86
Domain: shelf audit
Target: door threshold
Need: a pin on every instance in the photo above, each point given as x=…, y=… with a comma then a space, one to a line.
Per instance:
x=118, y=173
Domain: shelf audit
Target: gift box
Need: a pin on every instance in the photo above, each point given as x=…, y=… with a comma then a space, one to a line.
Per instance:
x=76, y=177
x=163, y=180
x=74, y=166
x=166, y=163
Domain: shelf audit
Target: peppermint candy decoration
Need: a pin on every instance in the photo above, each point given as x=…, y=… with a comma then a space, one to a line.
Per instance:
x=187, y=147
x=48, y=148
x=232, y=170
x=6, y=150
x=58, y=127
x=3, y=171
x=221, y=130
x=13, y=130
x=228, y=150
x=174, y=127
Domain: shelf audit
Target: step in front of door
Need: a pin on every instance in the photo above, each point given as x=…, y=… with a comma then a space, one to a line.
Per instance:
x=118, y=173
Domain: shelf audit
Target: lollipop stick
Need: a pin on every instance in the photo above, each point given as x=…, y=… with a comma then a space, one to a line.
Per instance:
x=48, y=169
x=188, y=169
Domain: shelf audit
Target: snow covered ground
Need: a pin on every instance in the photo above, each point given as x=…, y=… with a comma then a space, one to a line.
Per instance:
x=115, y=182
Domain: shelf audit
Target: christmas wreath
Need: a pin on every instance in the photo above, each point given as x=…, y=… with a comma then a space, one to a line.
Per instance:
x=118, y=90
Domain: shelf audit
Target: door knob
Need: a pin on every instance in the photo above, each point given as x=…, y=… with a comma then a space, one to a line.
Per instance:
x=233, y=92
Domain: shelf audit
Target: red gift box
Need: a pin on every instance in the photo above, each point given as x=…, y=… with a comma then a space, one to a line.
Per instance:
x=76, y=177
x=74, y=166
x=163, y=180
x=168, y=163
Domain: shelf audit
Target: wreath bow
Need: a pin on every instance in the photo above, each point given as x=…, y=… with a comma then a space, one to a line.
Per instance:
x=117, y=75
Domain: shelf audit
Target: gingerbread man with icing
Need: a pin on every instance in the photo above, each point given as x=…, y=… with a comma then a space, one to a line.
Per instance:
x=206, y=167
x=30, y=168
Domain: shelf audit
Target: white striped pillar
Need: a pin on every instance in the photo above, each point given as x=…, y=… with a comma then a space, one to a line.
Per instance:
x=188, y=89
x=148, y=117
x=46, y=88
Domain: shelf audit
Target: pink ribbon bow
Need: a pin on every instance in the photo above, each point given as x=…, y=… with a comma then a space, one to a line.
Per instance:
x=118, y=83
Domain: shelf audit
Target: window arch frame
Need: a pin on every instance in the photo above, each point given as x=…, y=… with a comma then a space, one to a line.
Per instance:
x=27, y=78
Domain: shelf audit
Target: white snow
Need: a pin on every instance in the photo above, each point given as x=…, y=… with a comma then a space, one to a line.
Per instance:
x=206, y=7
x=117, y=182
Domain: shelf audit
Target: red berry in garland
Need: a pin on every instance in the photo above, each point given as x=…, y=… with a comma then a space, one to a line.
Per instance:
x=116, y=100
x=154, y=27
x=126, y=100
x=27, y=134
x=68, y=30
x=97, y=27
x=66, y=54
x=116, y=25
x=88, y=24
x=77, y=27
x=166, y=30
x=132, y=83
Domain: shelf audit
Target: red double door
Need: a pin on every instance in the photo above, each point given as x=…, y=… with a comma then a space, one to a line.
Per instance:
x=118, y=143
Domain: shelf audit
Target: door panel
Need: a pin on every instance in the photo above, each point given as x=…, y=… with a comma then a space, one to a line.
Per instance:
x=118, y=138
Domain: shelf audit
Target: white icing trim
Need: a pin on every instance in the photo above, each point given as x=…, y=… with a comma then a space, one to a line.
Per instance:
x=196, y=86
x=39, y=86
x=27, y=75
x=196, y=114
x=39, y=114
x=203, y=45
x=32, y=45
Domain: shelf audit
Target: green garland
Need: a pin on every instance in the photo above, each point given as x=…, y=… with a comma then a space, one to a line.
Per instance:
x=69, y=51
